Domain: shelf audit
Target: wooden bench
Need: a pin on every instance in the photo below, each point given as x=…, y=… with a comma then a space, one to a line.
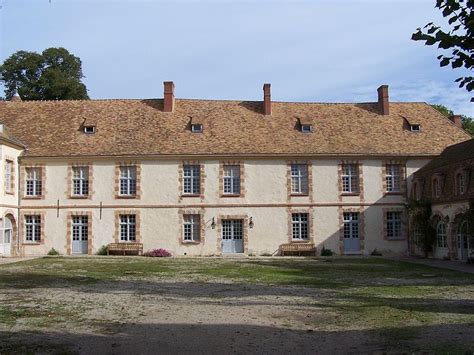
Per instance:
x=298, y=248
x=125, y=247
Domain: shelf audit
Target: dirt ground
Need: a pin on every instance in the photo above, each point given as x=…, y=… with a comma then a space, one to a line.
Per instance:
x=207, y=315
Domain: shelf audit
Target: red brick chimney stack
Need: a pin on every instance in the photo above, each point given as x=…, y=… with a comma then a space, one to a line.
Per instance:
x=383, y=99
x=168, y=102
x=267, y=100
x=457, y=120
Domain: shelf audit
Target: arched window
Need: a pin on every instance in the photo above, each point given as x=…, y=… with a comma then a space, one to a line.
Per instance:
x=460, y=184
x=441, y=236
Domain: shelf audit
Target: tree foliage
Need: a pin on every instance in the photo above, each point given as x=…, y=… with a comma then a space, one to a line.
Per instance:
x=55, y=74
x=467, y=122
x=459, y=39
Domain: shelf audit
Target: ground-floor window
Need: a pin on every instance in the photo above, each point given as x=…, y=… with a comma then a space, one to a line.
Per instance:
x=33, y=228
x=127, y=227
x=441, y=235
x=394, y=225
x=192, y=227
x=80, y=229
x=300, y=226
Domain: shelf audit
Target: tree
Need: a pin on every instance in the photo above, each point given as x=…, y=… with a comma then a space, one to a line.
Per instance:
x=460, y=38
x=54, y=74
x=467, y=122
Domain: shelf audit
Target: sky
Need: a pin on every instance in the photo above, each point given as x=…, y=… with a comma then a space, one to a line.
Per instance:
x=315, y=51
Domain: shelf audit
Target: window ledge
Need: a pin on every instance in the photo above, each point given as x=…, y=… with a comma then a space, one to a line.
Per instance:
x=9, y=193
x=393, y=193
x=396, y=239
x=39, y=197
x=230, y=195
x=293, y=194
x=79, y=197
x=350, y=193
x=299, y=241
x=190, y=242
x=127, y=197
x=31, y=243
x=190, y=195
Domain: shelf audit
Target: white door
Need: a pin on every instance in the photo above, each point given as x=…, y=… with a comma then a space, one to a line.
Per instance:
x=232, y=236
x=6, y=237
x=463, y=241
x=80, y=234
x=351, y=232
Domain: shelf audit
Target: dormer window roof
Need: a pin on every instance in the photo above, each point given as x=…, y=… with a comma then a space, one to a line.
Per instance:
x=305, y=125
x=413, y=124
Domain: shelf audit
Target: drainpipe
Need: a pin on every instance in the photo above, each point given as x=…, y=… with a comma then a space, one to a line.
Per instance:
x=18, y=189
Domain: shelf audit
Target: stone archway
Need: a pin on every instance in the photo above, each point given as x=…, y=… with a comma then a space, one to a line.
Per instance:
x=10, y=233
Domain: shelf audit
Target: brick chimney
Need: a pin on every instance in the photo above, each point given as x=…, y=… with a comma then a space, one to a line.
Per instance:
x=267, y=100
x=457, y=120
x=383, y=99
x=168, y=102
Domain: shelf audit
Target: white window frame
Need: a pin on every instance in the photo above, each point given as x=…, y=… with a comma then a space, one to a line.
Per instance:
x=8, y=175
x=441, y=235
x=191, y=228
x=33, y=183
x=394, y=225
x=128, y=227
x=33, y=228
x=306, y=128
x=196, y=128
x=350, y=178
x=393, y=177
x=231, y=179
x=415, y=128
x=128, y=181
x=80, y=228
x=89, y=129
x=80, y=180
x=351, y=222
x=299, y=179
x=300, y=226
x=191, y=179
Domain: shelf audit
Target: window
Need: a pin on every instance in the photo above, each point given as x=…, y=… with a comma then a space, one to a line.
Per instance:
x=192, y=227
x=80, y=180
x=191, y=179
x=393, y=177
x=394, y=225
x=306, y=128
x=80, y=228
x=89, y=129
x=231, y=179
x=196, y=128
x=460, y=184
x=33, y=182
x=350, y=178
x=415, y=191
x=128, y=180
x=441, y=236
x=299, y=179
x=8, y=176
x=436, y=188
x=300, y=226
x=415, y=128
x=127, y=227
x=33, y=228
x=418, y=235
x=351, y=224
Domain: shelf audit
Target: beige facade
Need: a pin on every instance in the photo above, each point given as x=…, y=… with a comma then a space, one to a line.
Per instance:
x=160, y=205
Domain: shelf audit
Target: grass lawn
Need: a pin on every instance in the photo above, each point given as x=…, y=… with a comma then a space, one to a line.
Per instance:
x=260, y=305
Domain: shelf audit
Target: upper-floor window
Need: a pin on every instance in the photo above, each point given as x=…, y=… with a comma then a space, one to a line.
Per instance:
x=306, y=128
x=192, y=228
x=128, y=227
x=415, y=128
x=460, y=183
x=300, y=226
x=299, y=179
x=8, y=176
x=89, y=129
x=191, y=179
x=394, y=224
x=436, y=187
x=196, y=128
x=33, y=228
x=393, y=177
x=80, y=180
x=231, y=179
x=416, y=190
x=128, y=180
x=350, y=178
x=33, y=181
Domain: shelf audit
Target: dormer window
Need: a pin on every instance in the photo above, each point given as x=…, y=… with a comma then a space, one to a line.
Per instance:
x=415, y=128
x=306, y=128
x=89, y=129
x=196, y=128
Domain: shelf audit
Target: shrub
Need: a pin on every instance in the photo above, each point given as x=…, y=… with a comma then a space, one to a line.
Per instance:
x=326, y=252
x=375, y=252
x=102, y=250
x=52, y=252
x=158, y=253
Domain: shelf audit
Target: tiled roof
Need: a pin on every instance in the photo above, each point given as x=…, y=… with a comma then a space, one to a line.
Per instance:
x=140, y=127
x=451, y=155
